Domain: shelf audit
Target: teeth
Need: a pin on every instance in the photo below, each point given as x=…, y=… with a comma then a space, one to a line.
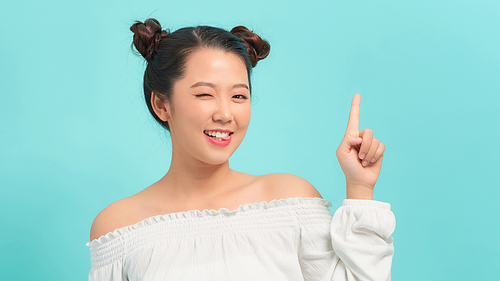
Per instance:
x=218, y=135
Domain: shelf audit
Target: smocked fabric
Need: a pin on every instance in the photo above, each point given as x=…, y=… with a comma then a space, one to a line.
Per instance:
x=286, y=239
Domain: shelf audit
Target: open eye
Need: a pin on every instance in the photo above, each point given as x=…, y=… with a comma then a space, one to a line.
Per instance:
x=243, y=97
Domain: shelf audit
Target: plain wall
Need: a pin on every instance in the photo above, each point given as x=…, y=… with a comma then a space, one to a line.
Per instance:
x=75, y=134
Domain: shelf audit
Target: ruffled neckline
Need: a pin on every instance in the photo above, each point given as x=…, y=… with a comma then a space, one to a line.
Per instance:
x=224, y=212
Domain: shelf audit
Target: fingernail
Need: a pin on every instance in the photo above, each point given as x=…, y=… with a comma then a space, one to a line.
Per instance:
x=373, y=160
x=365, y=163
x=359, y=139
x=362, y=156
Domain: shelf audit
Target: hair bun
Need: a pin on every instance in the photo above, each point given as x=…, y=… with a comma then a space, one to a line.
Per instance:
x=147, y=37
x=257, y=47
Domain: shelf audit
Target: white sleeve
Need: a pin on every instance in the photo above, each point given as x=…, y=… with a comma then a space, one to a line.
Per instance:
x=356, y=245
x=108, y=272
x=106, y=260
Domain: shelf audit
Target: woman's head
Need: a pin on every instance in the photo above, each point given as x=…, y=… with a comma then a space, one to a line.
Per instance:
x=167, y=53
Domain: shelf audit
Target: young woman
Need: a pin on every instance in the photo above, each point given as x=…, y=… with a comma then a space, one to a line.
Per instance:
x=205, y=221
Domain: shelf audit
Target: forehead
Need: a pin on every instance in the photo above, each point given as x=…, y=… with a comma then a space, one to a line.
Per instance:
x=215, y=66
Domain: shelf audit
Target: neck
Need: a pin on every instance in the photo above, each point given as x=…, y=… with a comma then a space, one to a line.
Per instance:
x=191, y=180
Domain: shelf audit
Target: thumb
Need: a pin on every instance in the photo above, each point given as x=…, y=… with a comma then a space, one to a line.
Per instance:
x=348, y=142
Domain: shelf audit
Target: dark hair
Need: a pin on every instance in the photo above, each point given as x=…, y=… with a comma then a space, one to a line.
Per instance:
x=166, y=53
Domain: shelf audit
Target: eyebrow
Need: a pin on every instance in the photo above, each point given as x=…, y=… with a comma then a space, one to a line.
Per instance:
x=198, y=84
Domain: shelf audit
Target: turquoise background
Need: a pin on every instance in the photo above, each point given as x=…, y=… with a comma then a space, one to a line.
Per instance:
x=75, y=134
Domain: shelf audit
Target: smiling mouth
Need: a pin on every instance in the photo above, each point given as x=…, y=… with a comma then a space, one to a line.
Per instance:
x=220, y=136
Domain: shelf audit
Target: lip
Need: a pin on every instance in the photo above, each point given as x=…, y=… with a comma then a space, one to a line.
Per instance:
x=220, y=130
x=219, y=142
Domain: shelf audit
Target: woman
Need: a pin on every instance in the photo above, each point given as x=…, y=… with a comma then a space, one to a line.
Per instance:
x=205, y=221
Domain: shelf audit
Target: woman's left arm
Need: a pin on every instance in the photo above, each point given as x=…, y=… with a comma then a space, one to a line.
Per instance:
x=360, y=243
x=355, y=245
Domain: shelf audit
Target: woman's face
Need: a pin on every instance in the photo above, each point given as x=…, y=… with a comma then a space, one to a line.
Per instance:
x=210, y=107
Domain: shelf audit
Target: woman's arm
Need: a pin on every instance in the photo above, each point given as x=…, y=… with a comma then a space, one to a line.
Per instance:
x=360, y=244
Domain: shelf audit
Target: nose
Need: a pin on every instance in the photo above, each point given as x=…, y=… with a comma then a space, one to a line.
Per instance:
x=222, y=113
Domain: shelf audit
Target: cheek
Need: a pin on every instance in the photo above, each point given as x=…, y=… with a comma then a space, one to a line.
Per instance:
x=193, y=112
x=243, y=116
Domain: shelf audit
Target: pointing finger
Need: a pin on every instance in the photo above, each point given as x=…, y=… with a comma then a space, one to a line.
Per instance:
x=353, y=124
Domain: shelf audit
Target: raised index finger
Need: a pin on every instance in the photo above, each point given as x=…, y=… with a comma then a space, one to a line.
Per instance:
x=353, y=124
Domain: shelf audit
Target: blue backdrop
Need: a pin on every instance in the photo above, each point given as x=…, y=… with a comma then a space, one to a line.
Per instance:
x=75, y=134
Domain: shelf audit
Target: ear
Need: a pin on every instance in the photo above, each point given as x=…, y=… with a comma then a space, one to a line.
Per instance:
x=160, y=107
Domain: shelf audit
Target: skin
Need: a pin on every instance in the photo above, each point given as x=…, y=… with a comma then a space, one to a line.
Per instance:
x=360, y=156
x=214, y=94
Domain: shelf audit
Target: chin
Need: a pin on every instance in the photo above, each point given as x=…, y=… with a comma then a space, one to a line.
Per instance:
x=219, y=159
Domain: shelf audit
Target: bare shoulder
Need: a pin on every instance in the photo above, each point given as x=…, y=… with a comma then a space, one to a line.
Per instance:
x=283, y=185
x=116, y=215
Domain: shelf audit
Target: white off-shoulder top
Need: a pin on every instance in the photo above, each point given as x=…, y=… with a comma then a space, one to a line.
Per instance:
x=286, y=239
